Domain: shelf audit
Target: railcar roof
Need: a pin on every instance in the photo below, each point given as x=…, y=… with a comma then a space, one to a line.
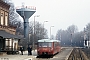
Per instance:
x=48, y=40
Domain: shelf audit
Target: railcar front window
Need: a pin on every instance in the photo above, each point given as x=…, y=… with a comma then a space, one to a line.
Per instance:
x=45, y=44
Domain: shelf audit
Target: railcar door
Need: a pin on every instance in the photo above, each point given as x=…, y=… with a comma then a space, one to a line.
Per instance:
x=55, y=47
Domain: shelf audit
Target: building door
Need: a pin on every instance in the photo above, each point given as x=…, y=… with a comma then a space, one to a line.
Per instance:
x=2, y=44
x=15, y=46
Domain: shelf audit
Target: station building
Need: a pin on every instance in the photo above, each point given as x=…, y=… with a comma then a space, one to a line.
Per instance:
x=8, y=39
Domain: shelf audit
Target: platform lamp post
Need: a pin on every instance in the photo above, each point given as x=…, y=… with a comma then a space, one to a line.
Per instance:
x=50, y=31
x=34, y=31
x=43, y=25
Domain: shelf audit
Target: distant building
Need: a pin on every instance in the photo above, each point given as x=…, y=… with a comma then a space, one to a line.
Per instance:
x=8, y=39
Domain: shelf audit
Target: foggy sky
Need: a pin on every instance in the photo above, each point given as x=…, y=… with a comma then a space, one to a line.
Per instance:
x=59, y=13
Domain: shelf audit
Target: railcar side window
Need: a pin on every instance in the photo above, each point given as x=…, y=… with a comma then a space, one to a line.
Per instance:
x=55, y=44
x=39, y=44
x=49, y=44
x=44, y=44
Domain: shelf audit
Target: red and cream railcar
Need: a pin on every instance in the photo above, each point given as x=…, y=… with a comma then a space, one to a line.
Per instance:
x=48, y=47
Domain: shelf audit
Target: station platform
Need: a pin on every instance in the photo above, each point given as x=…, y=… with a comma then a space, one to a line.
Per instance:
x=19, y=56
x=63, y=55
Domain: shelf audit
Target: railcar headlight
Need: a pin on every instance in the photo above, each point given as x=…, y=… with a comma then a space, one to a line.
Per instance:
x=51, y=48
x=38, y=49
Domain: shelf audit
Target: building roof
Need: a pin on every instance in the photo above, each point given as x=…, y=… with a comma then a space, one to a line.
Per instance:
x=5, y=34
x=48, y=40
x=5, y=5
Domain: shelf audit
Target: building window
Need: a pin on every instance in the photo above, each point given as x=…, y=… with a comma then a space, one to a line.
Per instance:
x=2, y=19
x=10, y=42
x=6, y=20
x=6, y=42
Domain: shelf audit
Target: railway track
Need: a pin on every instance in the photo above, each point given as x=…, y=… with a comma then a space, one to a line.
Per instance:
x=87, y=52
x=77, y=54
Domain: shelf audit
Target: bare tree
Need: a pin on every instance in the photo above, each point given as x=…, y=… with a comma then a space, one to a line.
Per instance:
x=65, y=36
x=72, y=29
x=88, y=30
x=52, y=37
x=39, y=32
